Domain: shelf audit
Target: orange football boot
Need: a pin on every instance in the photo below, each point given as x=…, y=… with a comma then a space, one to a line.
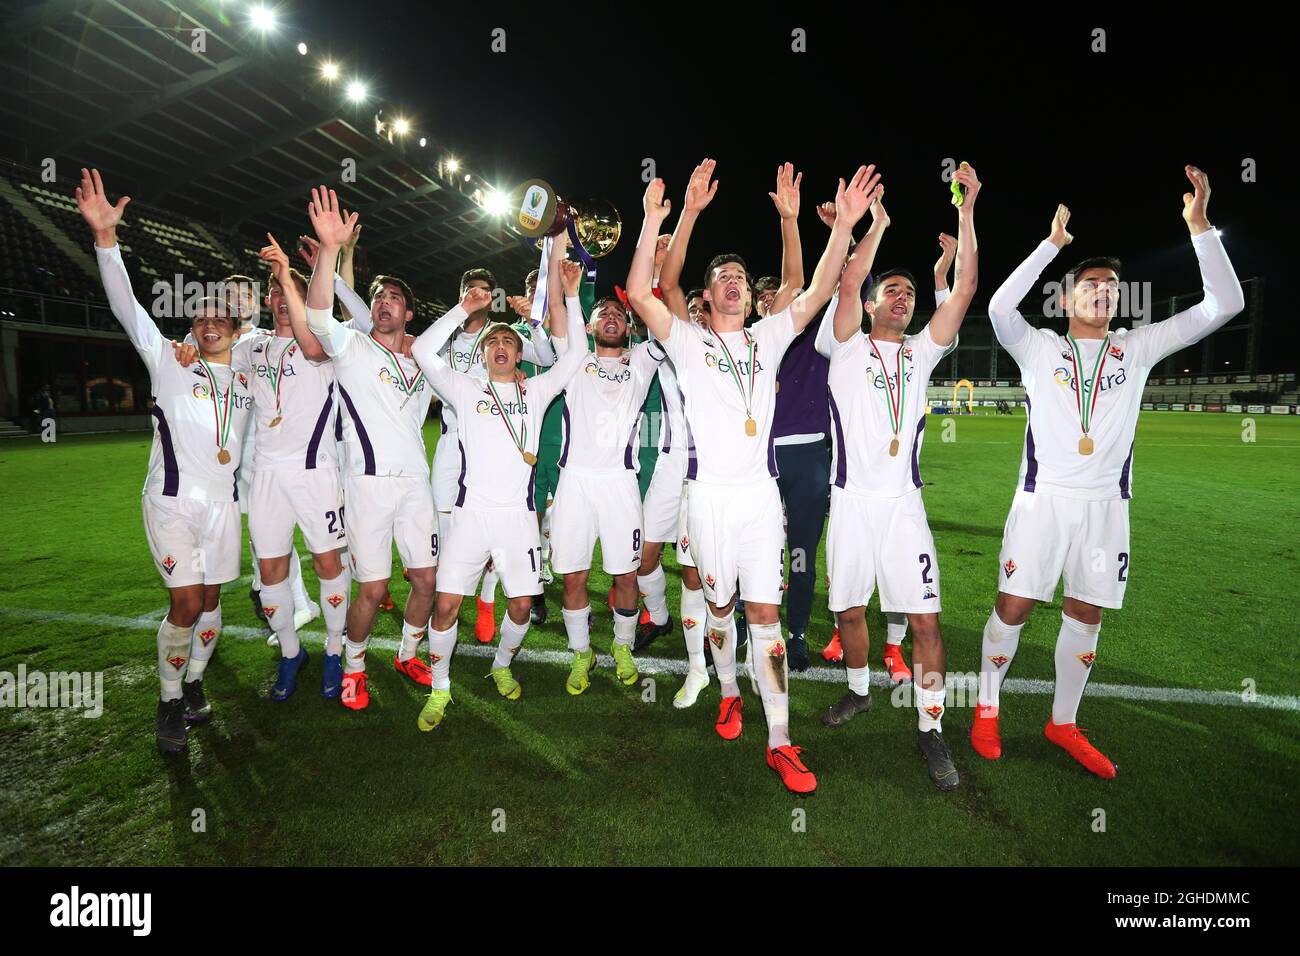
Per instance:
x=895, y=666
x=834, y=652
x=796, y=777
x=984, y=735
x=355, y=696
x=415, y=669
x=729, y=723
x=485, y=624
x=1070, y=738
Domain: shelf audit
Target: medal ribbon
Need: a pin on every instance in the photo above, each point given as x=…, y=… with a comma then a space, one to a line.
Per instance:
x=1086, y=407
x=277, y=374
x=895, y=413
x=408, y=385
x=746, y=399
x=521, y=437
x=222, y=419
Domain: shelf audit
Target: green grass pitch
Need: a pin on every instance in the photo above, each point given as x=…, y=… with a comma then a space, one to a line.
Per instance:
x=612, y=778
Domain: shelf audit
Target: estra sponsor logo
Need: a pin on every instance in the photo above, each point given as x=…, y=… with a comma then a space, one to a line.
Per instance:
x=485, y=407
x=76, y=909
x=596, y=370
x=719, y=362
x=388, y=378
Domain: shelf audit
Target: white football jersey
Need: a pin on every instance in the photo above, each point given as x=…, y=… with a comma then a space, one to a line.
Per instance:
x=461, y=356
x=299, y=393
x=863, y=381
x=190, y=403
x=385, y=396
x=672, y=423
x=715, y=405
x=603, y=406
x=493, y=472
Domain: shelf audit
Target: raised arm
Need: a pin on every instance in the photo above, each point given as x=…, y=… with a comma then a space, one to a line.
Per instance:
x=332, y=230
x=847, y=320
x=568, y=318
x=573, y=352
x=947, y=252
x=102, y=217
x=555, y=283
x=346, y=254
x=699, y=193
x=657, y=318
x=851, y=203
x=947, y=319
x=427, y=350
x=1008, y=324
x=786, y=199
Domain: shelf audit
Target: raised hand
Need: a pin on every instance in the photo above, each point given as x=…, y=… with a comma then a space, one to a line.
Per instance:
x=100, y=214
x=326, y=219
x=1195, y=203
x=571, y=276
x=186, y=354
x=1059, y=237
x=699, y=191
x=879, y=218
x=948, y=245
x=786, y=197
x=350, y=246
x=853, y=200
x=279, y=260
x=475, y=299
x=826, y=213
x=309, y=249
x=661, y=248
x=522, y=306
x=655, y=205
x=966, y=176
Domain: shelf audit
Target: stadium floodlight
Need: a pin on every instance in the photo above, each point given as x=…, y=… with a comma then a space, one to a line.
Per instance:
x=263, y=18
x=329, y=71
x=423, y=141
x=302, y=49
x=467, y=177
x=402, y=126
x=452, y=164
x=495, y=203
x=356, y=91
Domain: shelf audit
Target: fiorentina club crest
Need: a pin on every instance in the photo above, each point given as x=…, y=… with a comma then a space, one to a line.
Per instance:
x=169, y=564
x=686, y=543
x=270, y=609
x=334, y=600
x=243, y=380
x=709, y=580
x=1009, y=567
x=1117, y=353
x=689, y=622
x=935, y=711
x=999, y=660
x=777, y=650
x=434, y=658
x=717, y=637
x=1087, y=659
x=907, y=352
x=207, y=636
x=176, y=662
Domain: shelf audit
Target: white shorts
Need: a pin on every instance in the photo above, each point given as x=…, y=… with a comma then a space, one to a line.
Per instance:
x=1048, y=537
x=588, y=507
x=193, y=541
x=885, y=543
x=664, y=497
x=506, y=536
x=446, y=472
x=684, y=557
x=736, y=533
x=308, y=497
x=383, y=509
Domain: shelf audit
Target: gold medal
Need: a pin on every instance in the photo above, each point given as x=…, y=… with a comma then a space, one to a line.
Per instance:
x=223, y=456
x=276, y=420
x=528, y=457
x=1085, y=445
x=751, y=427
x=893, y=448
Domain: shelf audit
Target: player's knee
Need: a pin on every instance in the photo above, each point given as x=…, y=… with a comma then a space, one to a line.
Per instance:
x=762, y=614
x=853, y=617
x=1013, y=609
x=186, y=605
x=327, y=565
x=423, y=580
x=519, y=609
x=371, y=592
x=274, y=570
x=211, y=597
x=1080, y=611
x=925, y=628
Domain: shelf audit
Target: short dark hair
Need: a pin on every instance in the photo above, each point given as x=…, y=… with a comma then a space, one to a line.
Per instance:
x=608, y=299
x=717, y=261
x=697, y=294
x=378, y=282
x=1096, y=262
x=213, y=304
x=532, y=276
x=298, y=278
x=471, y=274
x=878, y=282
x=765, y=283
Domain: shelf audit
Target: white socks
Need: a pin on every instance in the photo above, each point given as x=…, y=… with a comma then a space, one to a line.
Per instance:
x=722, y=635
x=577, y=625
x=694, y=611
x=334, y=599
x=277, y=602
x=512, y=635
x=412, y=634
x=654, y=586
x=772, y=673
x=929, y=709
x=1000, y=643
x=488, y=592
x=859, y=680
x=173, y=653
x=204, y=642
x=625, y=626
x=441, y=645
x=1076, y=649
x=897, y=627
x=300, y=599
x=354, y=658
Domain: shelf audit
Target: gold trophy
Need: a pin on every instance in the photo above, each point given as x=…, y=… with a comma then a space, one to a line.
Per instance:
x=538, y=211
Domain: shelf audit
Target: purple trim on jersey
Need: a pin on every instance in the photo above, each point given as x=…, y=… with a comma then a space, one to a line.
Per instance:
x=771, y=454
x=313, y=446
x=665, y=429
x=1031, y=472
x=568, y=434
x=841, y=456
x=631, y=439
x=460, y=480
x=338, y=424
x=367, y=450
x=1125, y=490
x=171, y=473
x=692, y=460
x=916, y=446
x=532, y=487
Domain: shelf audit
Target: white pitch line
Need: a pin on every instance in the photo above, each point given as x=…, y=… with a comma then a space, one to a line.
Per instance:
x=660, y=665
